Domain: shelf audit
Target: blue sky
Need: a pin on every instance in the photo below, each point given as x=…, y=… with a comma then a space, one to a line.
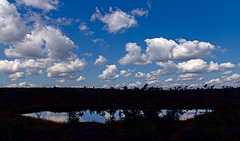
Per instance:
x=45, y=43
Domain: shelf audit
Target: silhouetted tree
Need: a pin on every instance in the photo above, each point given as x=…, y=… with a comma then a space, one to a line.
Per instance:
x=205, y=86
x=211, y=87
x=125, y=88
x=144, y=88
x=73, y=118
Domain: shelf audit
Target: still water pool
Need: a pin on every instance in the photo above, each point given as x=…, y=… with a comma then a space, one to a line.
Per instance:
x=102, y=116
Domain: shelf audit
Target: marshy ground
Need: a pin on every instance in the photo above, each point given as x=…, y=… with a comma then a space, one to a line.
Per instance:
x=221, y=124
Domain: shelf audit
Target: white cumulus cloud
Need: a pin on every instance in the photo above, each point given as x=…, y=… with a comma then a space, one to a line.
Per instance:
x=100, y=61
x=160, y=49
x=127, y=73
x=12, y=28
x=46, y=5
x=213, y=67
x=23, y=84
x=227, y=65
x=163, y=50
x=115, y=21
x=168, y=68
x=8, y=67
x=110, y=73
x=80, y=79
x=134, y=55
x=16, y=76
x=132, y=85
x=232, y=80
x=66, y=69
x=140, y=75
x=192, y=49
x=43, y=39
x=33, y=71
x=193, y=66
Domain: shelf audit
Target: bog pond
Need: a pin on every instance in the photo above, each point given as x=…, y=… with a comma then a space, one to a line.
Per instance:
x=103, y=116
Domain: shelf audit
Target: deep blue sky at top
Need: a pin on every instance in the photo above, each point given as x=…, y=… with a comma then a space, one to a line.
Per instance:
x=214, y=21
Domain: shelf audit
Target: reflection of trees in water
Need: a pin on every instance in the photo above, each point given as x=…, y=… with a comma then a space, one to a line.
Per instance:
x=151, y=114
x=173, y=114
x=129, y=114
x=109, y=114
x=73, y=117
x=134, y=114
x=39, y=114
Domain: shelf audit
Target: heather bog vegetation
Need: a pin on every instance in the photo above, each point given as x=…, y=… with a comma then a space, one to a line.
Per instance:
x=221, y=124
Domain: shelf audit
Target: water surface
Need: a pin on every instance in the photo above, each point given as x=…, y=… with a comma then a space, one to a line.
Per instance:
x=115, y=115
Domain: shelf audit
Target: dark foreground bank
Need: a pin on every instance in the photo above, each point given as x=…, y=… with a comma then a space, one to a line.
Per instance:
x=222, y=124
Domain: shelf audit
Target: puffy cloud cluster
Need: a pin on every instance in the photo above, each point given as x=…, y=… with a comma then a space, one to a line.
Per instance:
x=168, y=68
x=42, y=47
x=132, y=85
x=232, y=80
x=66, y=69
x=31, y=46
x=16, y=76
x=215, y=67
x=227, y=65
x=141, y=75
x=188, y=71
x=24, y=84
x=8, y=67
x=33, y=71
x=115, y=21
x=17, y=65
x=46, y=39
x=12, y=28
x=45, y=5
x=110, y=73
x=125, y=73
x=134, y=55
x=192, y=49
x=191, y=66
x=100, y=61
x=162, y=50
